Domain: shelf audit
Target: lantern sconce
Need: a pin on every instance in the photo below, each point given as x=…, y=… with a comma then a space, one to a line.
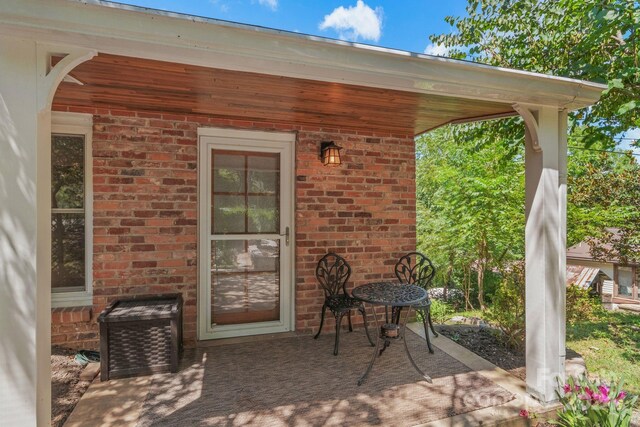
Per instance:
x=330, y=153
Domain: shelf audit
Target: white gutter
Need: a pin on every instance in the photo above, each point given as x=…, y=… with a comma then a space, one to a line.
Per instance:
x=151, y=34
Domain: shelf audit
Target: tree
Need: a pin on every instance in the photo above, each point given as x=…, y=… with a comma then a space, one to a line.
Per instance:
x=593, y=40
x=604, y=204
x=471, y=205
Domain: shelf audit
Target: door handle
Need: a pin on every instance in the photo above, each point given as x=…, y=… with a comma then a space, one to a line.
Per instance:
x=286, y=236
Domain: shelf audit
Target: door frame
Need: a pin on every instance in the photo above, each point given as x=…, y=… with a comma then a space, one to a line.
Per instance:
x=260, y=141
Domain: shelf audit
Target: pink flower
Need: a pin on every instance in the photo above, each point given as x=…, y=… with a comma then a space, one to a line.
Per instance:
x=604, y=389
x=588, y=394
x=566, y=388
x=524, y=413
x=602, y=398
x=621, y=396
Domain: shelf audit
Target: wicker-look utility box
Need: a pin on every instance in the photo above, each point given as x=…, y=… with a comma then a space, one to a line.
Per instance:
x=140, y=336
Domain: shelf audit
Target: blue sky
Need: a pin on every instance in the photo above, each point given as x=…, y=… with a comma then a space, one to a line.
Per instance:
x=397, y=24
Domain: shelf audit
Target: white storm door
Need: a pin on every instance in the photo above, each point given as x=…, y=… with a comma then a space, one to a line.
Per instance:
x=245, y=253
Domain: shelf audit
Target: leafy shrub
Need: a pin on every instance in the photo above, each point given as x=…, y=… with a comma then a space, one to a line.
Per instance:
x=581, y=305
x=508, y=310
x=589, y=403
x=440, y=311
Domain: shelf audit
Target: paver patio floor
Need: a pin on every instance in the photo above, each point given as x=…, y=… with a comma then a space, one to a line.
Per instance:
x=296, y=381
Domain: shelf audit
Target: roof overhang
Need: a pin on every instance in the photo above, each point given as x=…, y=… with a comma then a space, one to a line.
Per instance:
x=150, y=34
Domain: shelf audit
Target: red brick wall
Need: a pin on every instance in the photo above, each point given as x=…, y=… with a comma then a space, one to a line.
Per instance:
x=145, y=208
x=363, y=210
x=73, y=326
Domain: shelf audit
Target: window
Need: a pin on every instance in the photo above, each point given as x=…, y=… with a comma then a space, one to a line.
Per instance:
x=626, y=280
x=71, y=216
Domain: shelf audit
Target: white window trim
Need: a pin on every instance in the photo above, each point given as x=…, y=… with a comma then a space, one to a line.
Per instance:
x=79, y=124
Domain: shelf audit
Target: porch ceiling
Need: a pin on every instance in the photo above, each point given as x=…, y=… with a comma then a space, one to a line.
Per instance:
x=113, y=81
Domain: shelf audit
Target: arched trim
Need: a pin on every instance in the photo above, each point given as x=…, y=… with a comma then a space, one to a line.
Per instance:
x=50, y=77
x=530, y=118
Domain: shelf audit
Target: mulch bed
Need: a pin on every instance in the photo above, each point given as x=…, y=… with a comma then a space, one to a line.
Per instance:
x=66, y=387
x=484, y=342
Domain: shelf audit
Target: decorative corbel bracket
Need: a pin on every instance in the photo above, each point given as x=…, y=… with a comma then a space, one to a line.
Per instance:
x=529, y=115
x=49, y=77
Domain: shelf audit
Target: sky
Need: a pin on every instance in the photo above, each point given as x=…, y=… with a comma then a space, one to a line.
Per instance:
x=404, y=25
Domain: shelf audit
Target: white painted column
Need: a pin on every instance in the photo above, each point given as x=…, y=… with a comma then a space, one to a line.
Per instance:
x=27, y=86
x=25, y=314
x=545, y=251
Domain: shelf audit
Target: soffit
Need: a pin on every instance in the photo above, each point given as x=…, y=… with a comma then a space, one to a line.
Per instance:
x=125, y=83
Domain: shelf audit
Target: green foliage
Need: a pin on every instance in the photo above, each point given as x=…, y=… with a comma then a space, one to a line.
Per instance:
x=581, y=305
x=586, y=39
x=592, y=403
x=440, y=311
x=603, y=193
x=508, y=309
x=470, y=177
x=470, y=207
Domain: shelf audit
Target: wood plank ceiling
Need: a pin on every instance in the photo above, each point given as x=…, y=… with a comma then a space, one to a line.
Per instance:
x=127, y=83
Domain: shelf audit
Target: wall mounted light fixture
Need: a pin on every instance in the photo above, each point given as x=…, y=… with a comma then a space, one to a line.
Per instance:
x=330, y=153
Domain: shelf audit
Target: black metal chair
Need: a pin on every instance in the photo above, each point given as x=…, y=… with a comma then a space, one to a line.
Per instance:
x=416, y=269
x=333, y=273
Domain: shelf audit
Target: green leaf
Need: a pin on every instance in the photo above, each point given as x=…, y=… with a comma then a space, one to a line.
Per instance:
x=626, y=107
x=616, y=83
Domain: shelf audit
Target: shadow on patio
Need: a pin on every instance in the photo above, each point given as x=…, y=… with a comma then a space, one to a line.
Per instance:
x=297, y=381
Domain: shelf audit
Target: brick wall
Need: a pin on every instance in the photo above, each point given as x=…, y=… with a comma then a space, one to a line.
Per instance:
x=363, y=210
x=73, y=326
x=145, y=208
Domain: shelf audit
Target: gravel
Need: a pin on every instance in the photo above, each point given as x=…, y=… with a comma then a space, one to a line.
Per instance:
x=66, y=387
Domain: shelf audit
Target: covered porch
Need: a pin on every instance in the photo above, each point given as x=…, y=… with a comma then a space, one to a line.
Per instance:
x=298, y=381
x=151, y=95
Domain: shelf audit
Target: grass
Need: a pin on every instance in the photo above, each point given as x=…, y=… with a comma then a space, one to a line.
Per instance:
x=609, y=343
x=610, y=346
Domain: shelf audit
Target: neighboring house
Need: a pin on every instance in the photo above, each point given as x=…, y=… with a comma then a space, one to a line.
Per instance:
x=616, y=282
x=147, y=152
x=591, y=278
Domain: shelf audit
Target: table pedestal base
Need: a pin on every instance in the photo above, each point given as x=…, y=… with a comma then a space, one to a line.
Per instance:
x=386, y=342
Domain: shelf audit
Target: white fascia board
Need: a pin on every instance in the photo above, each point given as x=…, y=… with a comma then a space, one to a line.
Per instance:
x=145, y=33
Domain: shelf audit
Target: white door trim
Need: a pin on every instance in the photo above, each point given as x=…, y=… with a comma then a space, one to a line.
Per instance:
x=229, y=139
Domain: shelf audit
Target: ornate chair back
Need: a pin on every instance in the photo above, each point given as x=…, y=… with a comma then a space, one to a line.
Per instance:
x=332, y=273
x=415, y=269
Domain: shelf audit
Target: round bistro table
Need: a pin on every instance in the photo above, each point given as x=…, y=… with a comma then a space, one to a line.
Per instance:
x=390, y=294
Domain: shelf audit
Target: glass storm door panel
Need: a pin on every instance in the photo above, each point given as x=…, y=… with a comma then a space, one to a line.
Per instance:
x=248, y=217
x=245, y=271
x=625, y=281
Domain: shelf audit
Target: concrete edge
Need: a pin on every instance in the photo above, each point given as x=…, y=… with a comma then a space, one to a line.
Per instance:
x=110, y=403
x=505, y=414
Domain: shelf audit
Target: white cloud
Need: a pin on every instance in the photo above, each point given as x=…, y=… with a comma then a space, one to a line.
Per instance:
x=224, y=8
x=354, y=22
x=436, y=50
x=272, y=4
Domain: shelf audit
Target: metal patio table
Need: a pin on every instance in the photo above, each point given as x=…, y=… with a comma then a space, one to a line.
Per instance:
x=390, y=294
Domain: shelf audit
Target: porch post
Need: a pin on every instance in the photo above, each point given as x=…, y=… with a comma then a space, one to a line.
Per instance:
x=27, y=86
x=25, y=315
x=545, y=247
